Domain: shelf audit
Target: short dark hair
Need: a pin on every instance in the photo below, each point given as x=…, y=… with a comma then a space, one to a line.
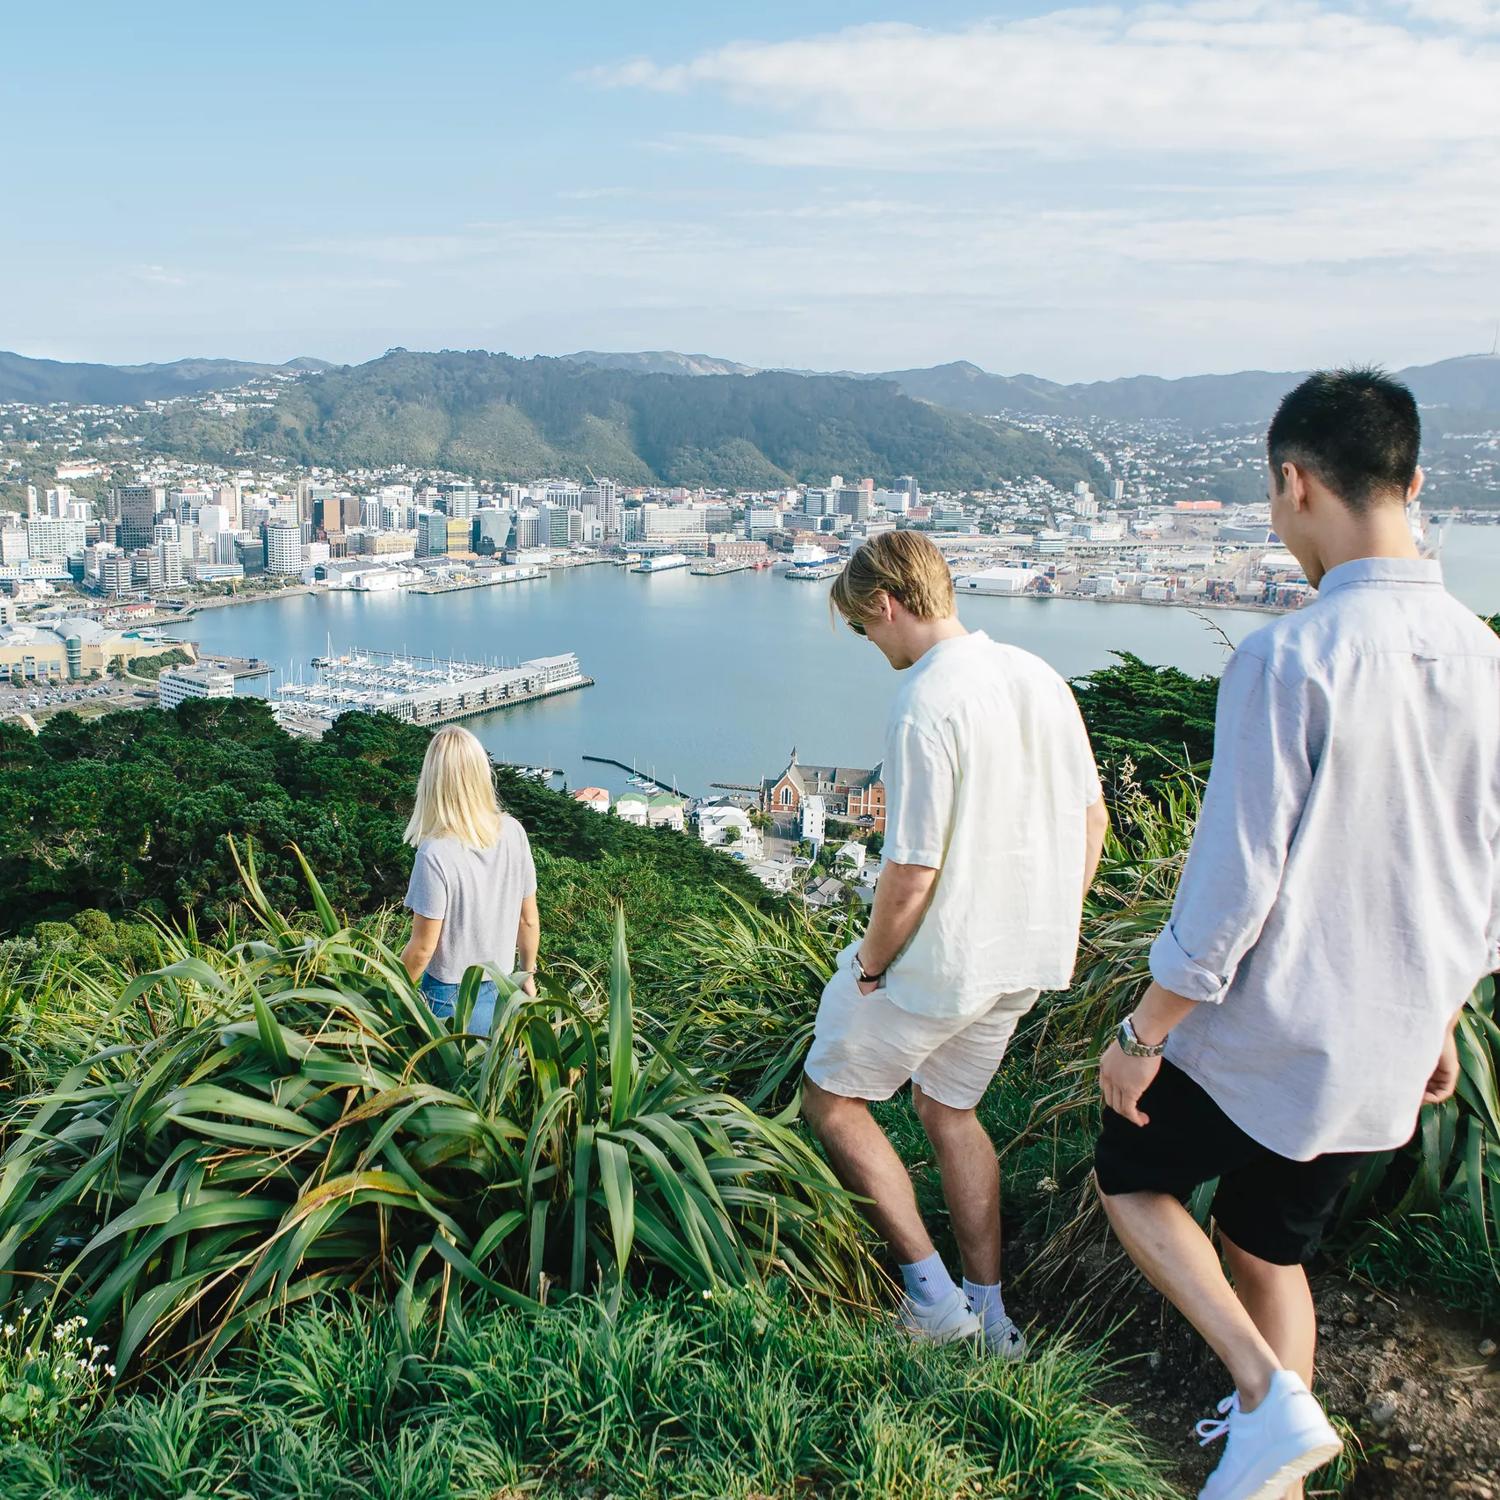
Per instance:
x=1357, y=430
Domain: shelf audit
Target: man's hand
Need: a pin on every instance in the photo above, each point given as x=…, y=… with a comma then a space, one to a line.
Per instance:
x=1122, y=1081
x=1444, y=1078
x=528, y=986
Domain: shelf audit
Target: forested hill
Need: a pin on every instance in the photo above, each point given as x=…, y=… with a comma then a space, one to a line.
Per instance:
x=47, y=380
x=503, y=418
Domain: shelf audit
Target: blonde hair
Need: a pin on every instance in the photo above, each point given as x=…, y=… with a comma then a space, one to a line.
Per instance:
x=455, y=792
x=906, y=566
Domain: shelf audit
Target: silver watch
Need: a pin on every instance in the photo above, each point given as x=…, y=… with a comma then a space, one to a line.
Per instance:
x=1132, y=1046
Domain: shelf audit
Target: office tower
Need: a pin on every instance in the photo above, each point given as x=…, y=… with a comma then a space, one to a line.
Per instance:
x=604, y=496
x=136, y=507
x=283, y=547
x=432, y=533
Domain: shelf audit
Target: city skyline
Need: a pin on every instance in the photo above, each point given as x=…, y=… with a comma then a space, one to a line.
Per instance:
x=1080, y=194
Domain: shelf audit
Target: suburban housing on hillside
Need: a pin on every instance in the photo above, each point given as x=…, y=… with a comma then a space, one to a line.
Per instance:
x=848, y=795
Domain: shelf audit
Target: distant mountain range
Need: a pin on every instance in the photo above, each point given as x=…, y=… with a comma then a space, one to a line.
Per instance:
x=1467, y=384
x=502, y=418
x=47, y=380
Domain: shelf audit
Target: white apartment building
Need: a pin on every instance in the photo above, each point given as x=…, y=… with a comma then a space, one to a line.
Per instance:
x=53, y=538
x=178, y=684
x=283, y=548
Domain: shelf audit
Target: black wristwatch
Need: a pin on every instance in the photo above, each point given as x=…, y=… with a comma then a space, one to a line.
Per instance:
x=860, y=976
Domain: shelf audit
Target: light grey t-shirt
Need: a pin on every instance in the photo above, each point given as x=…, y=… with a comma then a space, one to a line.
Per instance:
x=477, y=895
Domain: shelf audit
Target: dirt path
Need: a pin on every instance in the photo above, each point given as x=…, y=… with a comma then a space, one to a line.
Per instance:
x=1408, y=1377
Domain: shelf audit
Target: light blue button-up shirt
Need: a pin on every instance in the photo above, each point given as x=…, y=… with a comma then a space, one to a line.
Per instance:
x=1342, y=894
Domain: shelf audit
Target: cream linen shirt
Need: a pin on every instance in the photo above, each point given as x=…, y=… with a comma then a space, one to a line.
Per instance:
x=988, y=773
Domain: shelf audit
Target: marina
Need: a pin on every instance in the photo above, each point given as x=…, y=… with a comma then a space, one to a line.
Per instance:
x=420, y=689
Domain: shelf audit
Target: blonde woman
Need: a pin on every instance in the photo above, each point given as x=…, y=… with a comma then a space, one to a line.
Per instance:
x=473, y=885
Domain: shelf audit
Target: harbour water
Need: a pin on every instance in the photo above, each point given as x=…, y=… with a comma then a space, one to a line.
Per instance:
x=711, y=679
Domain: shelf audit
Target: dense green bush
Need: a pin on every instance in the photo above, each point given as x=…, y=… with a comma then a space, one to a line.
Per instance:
x=133, y=810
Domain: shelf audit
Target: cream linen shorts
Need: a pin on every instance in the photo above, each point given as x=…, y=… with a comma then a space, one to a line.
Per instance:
x=866, y=1048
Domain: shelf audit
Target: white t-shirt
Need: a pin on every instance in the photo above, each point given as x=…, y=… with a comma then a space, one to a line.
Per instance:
x=988, y=772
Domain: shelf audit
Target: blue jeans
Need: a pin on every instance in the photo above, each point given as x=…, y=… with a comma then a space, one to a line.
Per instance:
x=442, y=998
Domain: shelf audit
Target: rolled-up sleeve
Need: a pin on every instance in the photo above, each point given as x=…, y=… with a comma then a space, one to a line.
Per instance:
x=1262, y=770
x=919, y=778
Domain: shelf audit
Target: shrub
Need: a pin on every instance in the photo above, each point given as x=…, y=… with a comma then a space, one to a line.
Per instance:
x=302, y=1123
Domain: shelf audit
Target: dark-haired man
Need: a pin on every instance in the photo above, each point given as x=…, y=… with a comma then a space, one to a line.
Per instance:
x=1341, y=899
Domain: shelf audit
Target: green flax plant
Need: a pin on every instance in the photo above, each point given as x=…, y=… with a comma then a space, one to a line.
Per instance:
x=294, y=1120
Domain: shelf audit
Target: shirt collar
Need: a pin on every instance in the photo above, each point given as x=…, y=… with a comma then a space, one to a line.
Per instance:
x=1384, y=570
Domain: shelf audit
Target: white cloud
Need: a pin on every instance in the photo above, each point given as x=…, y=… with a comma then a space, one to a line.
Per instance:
x=1295, y=82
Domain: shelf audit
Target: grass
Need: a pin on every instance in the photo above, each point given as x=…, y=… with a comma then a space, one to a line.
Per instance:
x=1442, y=1254
x=742, y=1394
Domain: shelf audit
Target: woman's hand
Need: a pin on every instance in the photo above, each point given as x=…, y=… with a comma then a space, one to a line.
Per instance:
x=528, y=986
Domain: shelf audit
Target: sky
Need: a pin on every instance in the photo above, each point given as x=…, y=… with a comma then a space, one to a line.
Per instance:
x=1079, y=193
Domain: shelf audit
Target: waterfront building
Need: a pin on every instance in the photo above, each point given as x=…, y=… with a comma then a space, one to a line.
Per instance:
x=604, y=496
x=432, y=533
x=593, y=797
x=722, y=825
x=761, y=521
x=561, y=526
x=283, y=548
x=849, y=794
x=178, y=684
x=492, y=530
x=460, y=536
x=67, y=649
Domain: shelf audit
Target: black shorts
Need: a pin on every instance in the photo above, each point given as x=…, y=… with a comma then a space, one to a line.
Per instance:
x=1269, y=1205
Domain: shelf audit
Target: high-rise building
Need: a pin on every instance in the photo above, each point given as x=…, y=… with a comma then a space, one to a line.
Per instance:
x=283, y=547
x=854, y=501
x=136, y=507
x=460, y=535
x=460, y=501
x=913, y=493
x=432, y=533
x=527, y=534
x=561, y=525
x=604, y=496
x=54, y=538
x=309, y=494
x=492, y=530
x=1117, y=490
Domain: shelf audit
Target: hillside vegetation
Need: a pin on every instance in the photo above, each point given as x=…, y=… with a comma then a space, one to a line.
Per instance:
x=502, y=418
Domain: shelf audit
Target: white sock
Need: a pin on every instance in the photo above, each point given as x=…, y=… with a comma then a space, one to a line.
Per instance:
x=988, y=1304
x=927, y=1280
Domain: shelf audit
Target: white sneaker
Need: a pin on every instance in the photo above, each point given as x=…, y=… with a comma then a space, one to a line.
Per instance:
x=1001, y=1338
x=945, y=1321
x=1271, y=1448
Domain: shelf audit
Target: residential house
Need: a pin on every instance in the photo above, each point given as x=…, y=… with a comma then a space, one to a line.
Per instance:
x=631, y=807
x=663, y=810
x=594, y=797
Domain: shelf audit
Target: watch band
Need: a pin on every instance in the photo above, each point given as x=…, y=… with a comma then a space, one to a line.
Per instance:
x=1132, y=1046
x=860, y=974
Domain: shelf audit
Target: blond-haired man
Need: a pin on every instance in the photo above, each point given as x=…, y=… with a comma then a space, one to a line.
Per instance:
x=994, y=827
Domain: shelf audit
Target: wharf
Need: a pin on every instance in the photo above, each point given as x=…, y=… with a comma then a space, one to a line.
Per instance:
x=423, y=689
x=714, y=569
x=238, y=667
x=664, y=786
x=478, y=581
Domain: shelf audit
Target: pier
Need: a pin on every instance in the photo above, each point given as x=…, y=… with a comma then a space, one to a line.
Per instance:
x=663, y=786
x=423, y=689
x=238, y=667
